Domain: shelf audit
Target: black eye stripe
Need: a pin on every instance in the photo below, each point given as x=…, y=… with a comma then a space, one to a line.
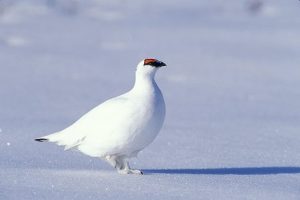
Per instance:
x=155, y=64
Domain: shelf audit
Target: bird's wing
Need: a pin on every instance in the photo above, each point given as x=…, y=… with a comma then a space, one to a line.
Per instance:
x=101, y=123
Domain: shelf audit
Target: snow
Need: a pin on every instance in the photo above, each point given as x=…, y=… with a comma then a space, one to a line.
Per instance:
x=231, y=88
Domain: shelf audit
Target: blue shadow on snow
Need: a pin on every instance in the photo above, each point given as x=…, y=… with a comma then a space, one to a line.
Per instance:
x=228, y=171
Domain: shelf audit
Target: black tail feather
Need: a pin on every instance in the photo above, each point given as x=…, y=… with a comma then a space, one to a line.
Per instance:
x=41, y=139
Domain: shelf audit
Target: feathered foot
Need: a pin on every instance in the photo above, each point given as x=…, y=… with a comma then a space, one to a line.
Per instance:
x=122, y=165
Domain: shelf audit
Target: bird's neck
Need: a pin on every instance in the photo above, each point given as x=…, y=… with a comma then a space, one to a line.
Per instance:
x=144, y=83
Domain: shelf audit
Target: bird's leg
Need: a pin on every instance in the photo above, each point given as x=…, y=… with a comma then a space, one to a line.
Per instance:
x=116, y=161
x=112, y=160
x=122, y=165
x=134, y=171
x=125, y=168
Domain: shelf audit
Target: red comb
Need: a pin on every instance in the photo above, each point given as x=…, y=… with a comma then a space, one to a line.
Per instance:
x=149, y=60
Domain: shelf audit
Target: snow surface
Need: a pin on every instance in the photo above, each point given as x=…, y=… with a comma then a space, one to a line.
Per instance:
x=231, y=87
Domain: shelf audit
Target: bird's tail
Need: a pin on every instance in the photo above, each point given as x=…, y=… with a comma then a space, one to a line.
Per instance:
x=63, y=139
x=41, y=139
x=54, y=137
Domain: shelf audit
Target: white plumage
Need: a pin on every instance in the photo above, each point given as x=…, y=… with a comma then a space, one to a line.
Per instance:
x=119, y=128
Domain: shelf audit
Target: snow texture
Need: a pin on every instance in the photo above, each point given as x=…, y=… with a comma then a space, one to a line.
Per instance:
x=231, y=89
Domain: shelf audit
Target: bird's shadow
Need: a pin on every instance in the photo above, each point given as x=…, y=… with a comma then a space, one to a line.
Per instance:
x=228, y=171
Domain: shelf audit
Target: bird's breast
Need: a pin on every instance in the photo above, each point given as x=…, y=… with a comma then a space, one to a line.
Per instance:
x=147, y=120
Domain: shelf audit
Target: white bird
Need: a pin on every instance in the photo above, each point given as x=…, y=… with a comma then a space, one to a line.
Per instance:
x=121, y=127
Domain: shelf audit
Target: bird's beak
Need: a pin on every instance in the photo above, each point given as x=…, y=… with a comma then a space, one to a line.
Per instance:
x=163, y=64
x=160, y=64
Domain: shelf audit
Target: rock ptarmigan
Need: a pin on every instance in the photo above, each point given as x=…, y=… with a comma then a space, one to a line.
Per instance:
x=121, y=127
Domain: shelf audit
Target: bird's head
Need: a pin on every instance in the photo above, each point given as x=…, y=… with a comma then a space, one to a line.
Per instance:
x=149, y=66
